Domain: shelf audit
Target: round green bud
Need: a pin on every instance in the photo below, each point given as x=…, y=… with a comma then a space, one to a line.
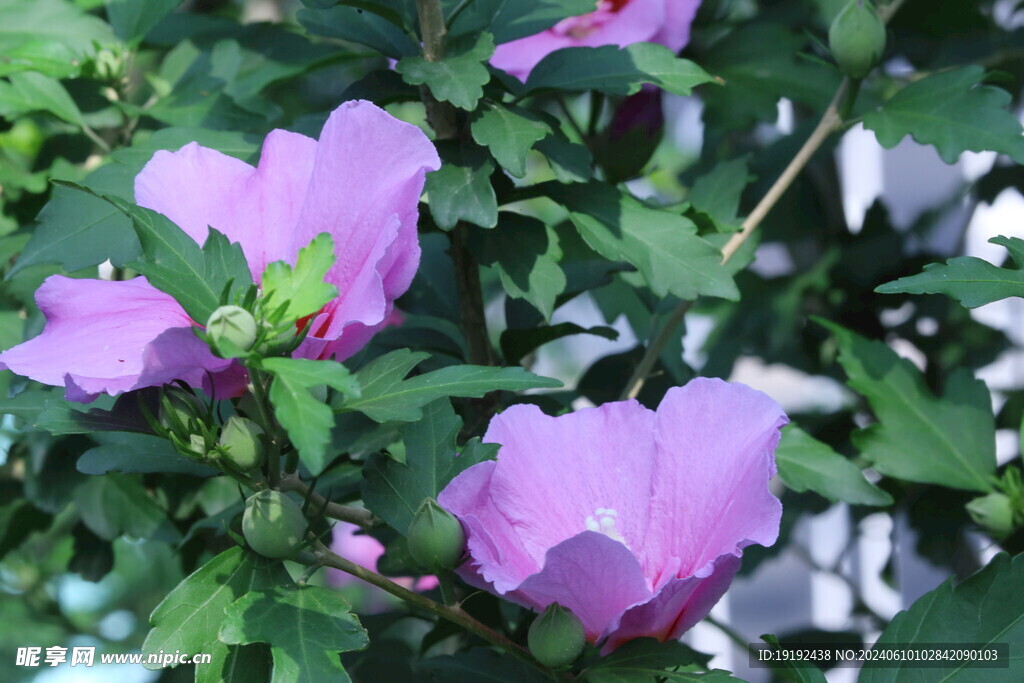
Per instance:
x=232, y=330
x=857, y=38
x=273, y=524
x=436, y=539
x=242, y=443
x=556, y=637
x=994, y=512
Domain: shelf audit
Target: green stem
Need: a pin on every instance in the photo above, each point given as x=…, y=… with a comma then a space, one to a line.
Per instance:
x=358, y=516
x=472, y=319
x=259, y=389
x=446, y=582
x=453, y=613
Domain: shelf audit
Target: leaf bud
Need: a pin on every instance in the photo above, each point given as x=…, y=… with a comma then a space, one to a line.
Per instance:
x=556, y=637
x=857, y=38
x=436, y=539
x=241, y=442
x=994, y=512
x=273, y=524
x=232, y=331
x=197, y=444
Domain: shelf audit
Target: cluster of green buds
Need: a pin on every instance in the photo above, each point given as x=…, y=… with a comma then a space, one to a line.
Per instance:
x=1001, y=512
x=186, y=422
x=857, y=38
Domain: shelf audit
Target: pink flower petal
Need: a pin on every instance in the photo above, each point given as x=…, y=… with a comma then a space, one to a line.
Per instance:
x=257, y=207
x=110, y=337
x=715, y=456
x=677, y=607
x=675, y=32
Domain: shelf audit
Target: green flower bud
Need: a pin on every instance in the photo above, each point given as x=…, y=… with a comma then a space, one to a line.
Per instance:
x=556, y=637
x=197, y=444
x=994, y=512
x=273, y=524
x=232, y=331
x=436, y=539
x=857, y=38
x=180, y=412
x=242, y=443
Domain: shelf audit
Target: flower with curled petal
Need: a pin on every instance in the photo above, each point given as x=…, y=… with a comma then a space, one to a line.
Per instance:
x=633, y=519
x=361, y=183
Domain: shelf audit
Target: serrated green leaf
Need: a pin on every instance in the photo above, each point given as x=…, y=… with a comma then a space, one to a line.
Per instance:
x=303, y=288
x=461, y=189
x=117, y=504
x=189, y=618
x=971, y=281
x=29, y=91
x=510, y=133
x=986, y=608
x=526, y=253
x=387, y=396
x=305, y=626
x=394, y=491
x=808, y=464
x=459, y=79
x=952, y=111
x=617, y=71
x=663, y=246
x=307, y=420
x=948, y=441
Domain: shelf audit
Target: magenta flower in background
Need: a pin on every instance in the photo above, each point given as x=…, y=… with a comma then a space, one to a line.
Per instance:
x=614, y=22
x=633, y=519
x=361, y=183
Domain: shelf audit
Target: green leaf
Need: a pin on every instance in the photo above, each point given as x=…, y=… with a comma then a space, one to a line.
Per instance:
x=663, y=246
x=525, y=252
x=616, y=71
x=646, y=659
x=459, y=79
x=480, y=666
x=510, y=133
x=953, y=112
x=986, y=608
x=137, y=453
x=189, y=618
x=307, y=420
x=808, y=464
x=461, y=189
x=56, y=60
x=516, y=344
x=971, y=281
x=358, y=26
x=28, y=91
x=387, y=396
x=394, y=491
x=509, y=21
x=117, y=504
x=569, y=161
x=303, y=289
x=51, y=21
x=18, y=519
x=948, y=441
x=717, y=193
x=132, y=20
x=305, y=626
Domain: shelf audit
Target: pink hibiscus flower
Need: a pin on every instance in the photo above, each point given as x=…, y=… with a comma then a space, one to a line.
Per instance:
x=633, y=519
x=615, y=22
x=361, y=183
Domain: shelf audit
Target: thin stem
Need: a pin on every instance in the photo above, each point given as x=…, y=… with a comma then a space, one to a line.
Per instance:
x=446, y=582
x=472, y=319
x=359, y=517
x=453, y=613
x=268, y=424
x=94, y=136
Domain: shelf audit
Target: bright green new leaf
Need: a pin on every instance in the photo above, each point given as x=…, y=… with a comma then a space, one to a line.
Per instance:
x=190, y=616
x=303, y=289
x=986, y=608
x=808, y=464
x=387, y=396
x=662, y=245
x=305, y=626
x=952, y=111
x=510, y=133
x=948, y=441
x=307, y=420
x=971, y=281
x=617, y=71
x=394, y=491
x=459, y=79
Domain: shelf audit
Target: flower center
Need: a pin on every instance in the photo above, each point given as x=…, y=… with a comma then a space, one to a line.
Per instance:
x=603, y=522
